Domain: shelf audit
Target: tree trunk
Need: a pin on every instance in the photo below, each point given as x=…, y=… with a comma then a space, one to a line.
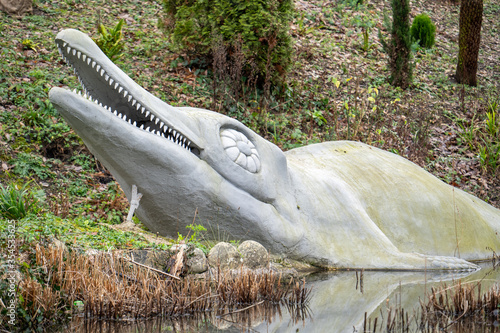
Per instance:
x=469, y=39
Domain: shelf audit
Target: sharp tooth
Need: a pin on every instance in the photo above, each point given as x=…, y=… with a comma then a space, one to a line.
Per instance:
x=133, y=102
x=97, y=68
x=106, y=77
x=143, y=109
x=147, y=129
x=147, y=113
x=60, y=51
x=162, y=124
x=89, y=60
x=170, y=130
x=74, y=52
x=78, y=54
x=142, y=126
x=84, y=57
x=115, y=113
x=102, y=72
x=64, y=44
x=129, y=98
x=111, y=81
x=162, y=134
x=119, y=115
x=135, y=123
x=93, y=64
x=100, y=104
x=116, y=85
x=120, y=90
x=152, y=117
x=188, y=143
x=174, y=133
x=157, y=120
x=74, y=90
x=130, y=121
x=68, y=50
x=125, y=93
x=124, y=117
x=85, y=95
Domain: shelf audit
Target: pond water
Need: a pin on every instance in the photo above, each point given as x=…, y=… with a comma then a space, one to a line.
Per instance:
x=339, y=303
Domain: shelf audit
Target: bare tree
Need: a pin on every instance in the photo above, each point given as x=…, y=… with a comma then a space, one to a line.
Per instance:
x=469, y=39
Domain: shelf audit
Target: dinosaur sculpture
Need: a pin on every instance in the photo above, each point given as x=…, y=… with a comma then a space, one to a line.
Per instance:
x=335, y=204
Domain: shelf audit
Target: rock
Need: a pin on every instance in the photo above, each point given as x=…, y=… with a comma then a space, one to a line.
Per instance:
x=197, y=262
x=224, y=255
x=16, y=7
x=254, y=254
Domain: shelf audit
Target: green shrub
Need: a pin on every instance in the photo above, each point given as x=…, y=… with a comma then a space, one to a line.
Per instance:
x=196, y=26
x=423, y=30
x=111, y=42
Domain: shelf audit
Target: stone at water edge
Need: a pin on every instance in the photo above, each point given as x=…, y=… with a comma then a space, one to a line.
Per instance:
x=253, y=254
x=224, y=255
x=197, y=261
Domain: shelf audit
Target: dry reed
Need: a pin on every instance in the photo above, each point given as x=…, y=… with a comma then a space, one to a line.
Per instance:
x=111, y=287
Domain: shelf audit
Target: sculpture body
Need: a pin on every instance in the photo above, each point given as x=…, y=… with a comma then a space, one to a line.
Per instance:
x=335, y=204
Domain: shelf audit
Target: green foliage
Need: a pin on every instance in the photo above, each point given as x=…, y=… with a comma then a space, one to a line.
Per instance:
x=483, y=137
x=16, y=203
x=26, y=165
x=262, y=26
x=193, y=236
x=111, y=42
x=28, y=44
x=423, y=30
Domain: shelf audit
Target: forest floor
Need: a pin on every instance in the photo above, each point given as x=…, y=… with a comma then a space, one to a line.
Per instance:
x=336, y=90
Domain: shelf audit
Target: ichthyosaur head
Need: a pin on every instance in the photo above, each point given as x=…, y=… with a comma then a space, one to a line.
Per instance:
x=335, y=204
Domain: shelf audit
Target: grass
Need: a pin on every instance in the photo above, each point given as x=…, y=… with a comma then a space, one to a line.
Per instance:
x=17, y=202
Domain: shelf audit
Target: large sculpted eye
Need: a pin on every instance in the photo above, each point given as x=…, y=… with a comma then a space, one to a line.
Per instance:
x=241, y=150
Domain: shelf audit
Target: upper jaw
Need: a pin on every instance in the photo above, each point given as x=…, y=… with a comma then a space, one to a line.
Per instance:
x=113, y=91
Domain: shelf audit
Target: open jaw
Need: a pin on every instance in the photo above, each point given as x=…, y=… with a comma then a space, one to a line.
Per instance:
x=126, y=100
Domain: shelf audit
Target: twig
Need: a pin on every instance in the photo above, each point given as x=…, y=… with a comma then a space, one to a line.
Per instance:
x=240, y=310
x=153, y=269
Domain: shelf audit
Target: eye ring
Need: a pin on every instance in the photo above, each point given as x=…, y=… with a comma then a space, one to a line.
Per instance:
x=240, y=149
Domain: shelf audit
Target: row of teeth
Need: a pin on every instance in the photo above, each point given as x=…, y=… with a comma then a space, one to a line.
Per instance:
x=164, y=131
